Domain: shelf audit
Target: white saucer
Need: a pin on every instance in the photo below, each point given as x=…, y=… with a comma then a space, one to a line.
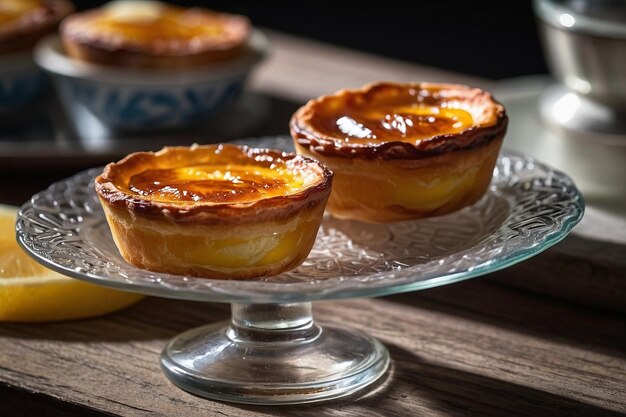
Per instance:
x=576, y=115
x=597, y=166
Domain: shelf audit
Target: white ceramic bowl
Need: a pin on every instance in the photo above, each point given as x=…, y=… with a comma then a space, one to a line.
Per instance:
x=144, y=99
x=21, y=81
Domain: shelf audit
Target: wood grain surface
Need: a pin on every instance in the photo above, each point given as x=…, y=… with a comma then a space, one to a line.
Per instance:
x=544, y=338
x=478, y=347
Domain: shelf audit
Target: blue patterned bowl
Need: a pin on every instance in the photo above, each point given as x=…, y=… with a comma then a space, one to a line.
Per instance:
x=140, y=99
x=21, y=81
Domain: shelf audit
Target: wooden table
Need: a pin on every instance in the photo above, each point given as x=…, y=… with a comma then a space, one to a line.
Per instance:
x=546, y=337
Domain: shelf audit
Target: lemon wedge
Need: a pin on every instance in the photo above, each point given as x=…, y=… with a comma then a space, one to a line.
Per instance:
x=30, y=292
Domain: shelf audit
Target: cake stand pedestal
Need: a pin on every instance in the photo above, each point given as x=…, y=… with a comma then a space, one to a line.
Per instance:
x=273, y=353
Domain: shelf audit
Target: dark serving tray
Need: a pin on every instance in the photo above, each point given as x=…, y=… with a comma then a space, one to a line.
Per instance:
x=44, y=137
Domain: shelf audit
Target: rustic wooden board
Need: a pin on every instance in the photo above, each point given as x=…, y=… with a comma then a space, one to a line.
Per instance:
x=580, y=270
x=477, y=347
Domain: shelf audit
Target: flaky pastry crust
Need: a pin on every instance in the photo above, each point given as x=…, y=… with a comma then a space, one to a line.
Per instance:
x=402, y=151
x=280, y=207
x=220, y=236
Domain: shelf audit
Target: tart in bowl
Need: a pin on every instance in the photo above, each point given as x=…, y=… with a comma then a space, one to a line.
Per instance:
x=216, y=211
x=402, y=151
x=143, y=65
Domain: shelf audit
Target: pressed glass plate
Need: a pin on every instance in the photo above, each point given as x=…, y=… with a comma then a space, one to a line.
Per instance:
x=528, y=208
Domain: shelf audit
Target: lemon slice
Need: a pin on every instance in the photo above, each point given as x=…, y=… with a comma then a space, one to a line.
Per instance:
x=32, y=292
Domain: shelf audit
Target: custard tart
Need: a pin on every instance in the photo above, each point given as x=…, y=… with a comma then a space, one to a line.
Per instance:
x=23, y=22
x=218, y=211
x=402, y=151
x=151, y=34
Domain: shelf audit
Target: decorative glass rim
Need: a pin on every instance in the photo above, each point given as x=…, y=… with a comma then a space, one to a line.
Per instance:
x=543, y=207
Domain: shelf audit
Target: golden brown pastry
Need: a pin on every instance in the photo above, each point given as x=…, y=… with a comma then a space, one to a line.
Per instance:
x=152, y=34
x=23, y=22
x=402, y=151
x=218, y=211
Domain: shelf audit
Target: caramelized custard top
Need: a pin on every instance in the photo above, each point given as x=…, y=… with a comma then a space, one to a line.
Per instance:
x=215, y=183
x=148, y=20
x=221, y=175
x=396, y=121
x=164, y=26
x=393, y=114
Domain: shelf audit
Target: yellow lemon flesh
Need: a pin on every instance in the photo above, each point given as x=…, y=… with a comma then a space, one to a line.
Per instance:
x=30, y=292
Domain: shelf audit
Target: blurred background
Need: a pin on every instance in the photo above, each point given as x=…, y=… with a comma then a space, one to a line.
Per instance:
x=567, y=119
x=480, y=38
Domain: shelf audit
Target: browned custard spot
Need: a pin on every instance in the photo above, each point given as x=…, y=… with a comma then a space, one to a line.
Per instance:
x=400, y=114
x=153, y=21
x=215, y=183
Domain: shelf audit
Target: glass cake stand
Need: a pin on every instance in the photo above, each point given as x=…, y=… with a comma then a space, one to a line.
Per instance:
x=272, y=352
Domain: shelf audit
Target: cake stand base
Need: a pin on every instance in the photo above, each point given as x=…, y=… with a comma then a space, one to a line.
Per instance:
x=273, y=354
